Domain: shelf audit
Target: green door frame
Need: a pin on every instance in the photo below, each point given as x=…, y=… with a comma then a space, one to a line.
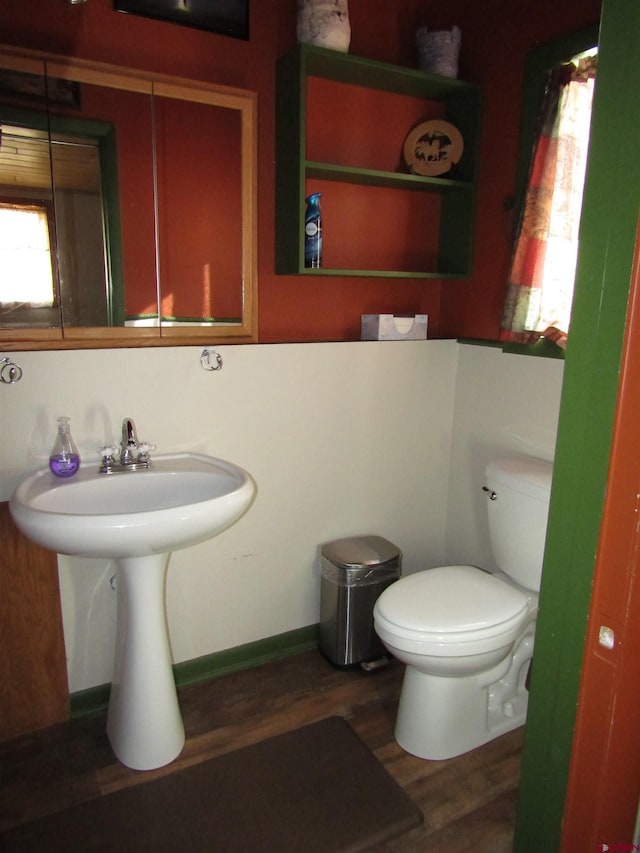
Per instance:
x=587, y=409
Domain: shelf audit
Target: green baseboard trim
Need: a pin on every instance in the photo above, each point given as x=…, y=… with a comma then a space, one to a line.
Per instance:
x=90, y=701
x=247, y=656
x=96, y=699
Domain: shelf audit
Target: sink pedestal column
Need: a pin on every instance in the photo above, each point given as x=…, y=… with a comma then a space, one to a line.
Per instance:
x=144, y=722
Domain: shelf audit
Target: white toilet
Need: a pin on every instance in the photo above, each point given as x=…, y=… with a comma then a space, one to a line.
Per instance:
x=466, y=635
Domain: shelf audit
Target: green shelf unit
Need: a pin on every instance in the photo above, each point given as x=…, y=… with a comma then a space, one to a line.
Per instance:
x=462, y=106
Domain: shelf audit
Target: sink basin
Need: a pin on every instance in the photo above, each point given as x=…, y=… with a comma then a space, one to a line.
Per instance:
x=183, y=499
x=137, y=518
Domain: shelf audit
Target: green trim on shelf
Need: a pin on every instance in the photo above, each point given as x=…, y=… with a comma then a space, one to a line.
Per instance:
x=373, y=74
x=205, y=668
x=543, y=348
x=378, y=178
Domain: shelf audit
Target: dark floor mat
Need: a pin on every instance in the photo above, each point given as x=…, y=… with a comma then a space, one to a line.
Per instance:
x=317, y=789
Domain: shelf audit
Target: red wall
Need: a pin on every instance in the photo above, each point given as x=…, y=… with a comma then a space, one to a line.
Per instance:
x=495, y=36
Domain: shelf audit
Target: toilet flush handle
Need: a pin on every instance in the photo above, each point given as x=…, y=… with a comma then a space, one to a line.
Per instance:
x=492, y=495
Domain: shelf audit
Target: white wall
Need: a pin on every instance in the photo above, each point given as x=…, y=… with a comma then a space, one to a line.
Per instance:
x=341, y=439
x=505, y=406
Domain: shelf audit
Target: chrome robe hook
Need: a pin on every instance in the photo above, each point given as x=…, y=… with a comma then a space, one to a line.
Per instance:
x=10, y=373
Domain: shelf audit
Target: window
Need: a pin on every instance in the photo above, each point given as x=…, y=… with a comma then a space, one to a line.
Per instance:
x=26, y=268
x=542, y=272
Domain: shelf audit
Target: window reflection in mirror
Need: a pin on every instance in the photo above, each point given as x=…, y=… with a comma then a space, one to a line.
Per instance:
x=27, y=280
x=28, y=274
x=58, y=155
x=82, y=252
x=150, y=195
x=103, y=186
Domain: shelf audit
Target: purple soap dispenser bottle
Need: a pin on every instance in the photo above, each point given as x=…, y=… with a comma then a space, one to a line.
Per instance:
x=64, y=460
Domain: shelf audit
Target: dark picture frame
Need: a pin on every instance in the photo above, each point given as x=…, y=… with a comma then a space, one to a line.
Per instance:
x=227, y=17
x=38, y=88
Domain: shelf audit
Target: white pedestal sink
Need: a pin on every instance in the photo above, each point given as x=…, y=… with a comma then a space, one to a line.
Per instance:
x=137, y=518
x=144, y=723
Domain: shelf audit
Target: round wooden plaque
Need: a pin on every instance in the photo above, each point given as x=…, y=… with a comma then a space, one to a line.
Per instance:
x=433, y=148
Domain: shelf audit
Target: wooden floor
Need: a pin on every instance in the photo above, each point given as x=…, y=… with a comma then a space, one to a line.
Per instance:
x=469, y=802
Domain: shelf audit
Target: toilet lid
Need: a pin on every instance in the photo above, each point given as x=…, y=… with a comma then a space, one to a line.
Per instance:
x=451, y=600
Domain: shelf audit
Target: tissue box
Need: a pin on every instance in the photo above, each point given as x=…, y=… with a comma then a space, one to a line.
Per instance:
x=393, y=327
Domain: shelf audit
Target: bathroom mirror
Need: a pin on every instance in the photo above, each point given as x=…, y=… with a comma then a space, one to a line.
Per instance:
x=148, y=185
x=28, y=291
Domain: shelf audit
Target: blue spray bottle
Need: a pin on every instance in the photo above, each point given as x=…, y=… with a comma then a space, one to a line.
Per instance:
x=313, y=232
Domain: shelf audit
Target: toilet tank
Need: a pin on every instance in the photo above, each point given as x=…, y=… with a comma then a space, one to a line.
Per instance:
x=518, y=506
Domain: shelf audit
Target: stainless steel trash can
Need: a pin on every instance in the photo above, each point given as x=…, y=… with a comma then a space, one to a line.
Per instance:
x=354, y=573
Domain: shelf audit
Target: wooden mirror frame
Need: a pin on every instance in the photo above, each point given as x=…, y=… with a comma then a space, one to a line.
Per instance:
x=133, y=80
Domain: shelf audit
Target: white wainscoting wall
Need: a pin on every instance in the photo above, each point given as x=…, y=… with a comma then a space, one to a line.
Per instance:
x=341, y=439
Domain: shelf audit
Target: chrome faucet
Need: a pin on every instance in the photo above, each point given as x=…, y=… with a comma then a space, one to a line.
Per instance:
x=133, y=455
x=129, y=444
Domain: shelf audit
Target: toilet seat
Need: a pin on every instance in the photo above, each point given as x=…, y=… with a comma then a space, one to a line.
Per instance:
x=450, y=611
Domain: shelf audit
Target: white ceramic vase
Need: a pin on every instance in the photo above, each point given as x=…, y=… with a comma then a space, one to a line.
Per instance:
x=438, y=50
x=324, y=23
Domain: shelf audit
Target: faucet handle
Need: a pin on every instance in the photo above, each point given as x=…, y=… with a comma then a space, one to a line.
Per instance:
x=108, y=451
x=107, y=454
x=144, y=448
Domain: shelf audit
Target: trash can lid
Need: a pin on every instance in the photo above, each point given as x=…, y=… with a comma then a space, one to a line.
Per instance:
x=357, y=551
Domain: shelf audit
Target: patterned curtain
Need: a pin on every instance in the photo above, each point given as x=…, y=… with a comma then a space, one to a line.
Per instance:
x=541, y=278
